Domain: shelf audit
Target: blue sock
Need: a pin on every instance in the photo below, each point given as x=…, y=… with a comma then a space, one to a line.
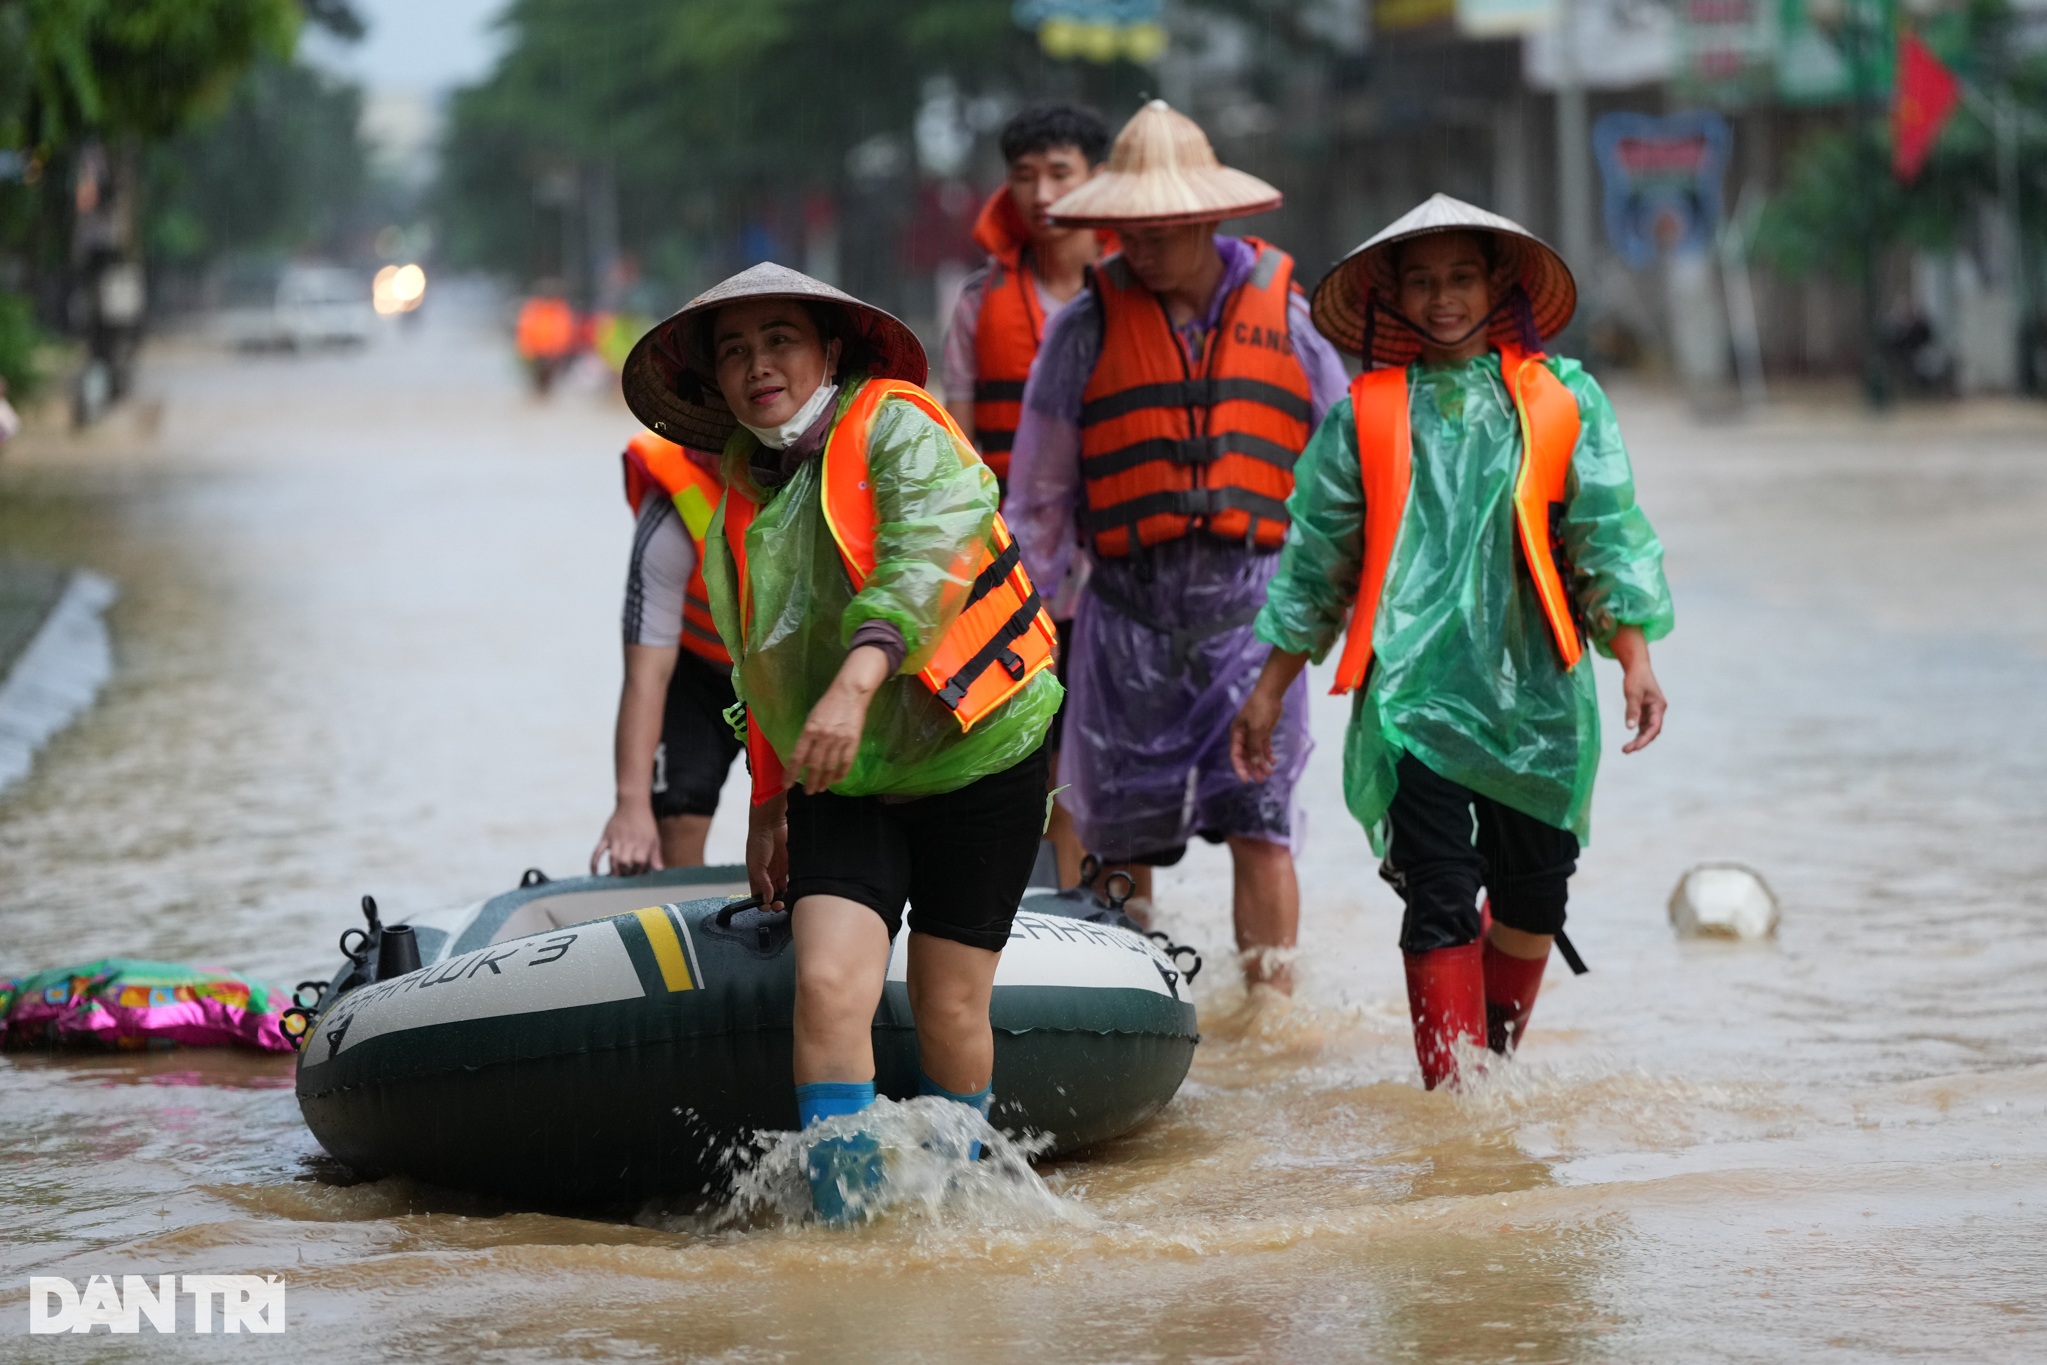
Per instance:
x=981, y=1101
x=830, y=1099
x=838, y=1166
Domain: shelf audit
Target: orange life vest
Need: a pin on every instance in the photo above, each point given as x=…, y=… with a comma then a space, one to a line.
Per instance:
x=1167, y=450
x=1549, y=435
x=1002, y=636
x=546, y=328
x=1006, y=338
x=1010, y=328
x=650, y=463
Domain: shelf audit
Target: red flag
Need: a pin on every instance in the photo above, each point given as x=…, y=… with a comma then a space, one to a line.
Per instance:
x=1926, y=96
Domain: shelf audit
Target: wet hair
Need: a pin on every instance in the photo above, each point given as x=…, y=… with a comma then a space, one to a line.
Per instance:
x=1041, y=127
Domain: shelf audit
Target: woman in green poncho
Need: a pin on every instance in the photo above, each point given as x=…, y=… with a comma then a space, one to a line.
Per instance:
x=1471, y=512
x=893, y=666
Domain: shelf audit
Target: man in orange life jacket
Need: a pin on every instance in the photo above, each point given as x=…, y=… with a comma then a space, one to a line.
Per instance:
x=1163, y=416
x=1470, y=508
x=673, y=747
x=1034, y=269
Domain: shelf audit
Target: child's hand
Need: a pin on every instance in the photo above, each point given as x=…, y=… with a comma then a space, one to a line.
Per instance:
x=1251, y=731
x=1251, y=736
x=1646, y=702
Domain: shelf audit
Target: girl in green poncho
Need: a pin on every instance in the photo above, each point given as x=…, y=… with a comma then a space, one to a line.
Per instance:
x=1470, y=511
x=895, y=736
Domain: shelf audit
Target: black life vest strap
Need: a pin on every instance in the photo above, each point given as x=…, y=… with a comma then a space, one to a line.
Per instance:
x=1197, y=393
x=999, y=568
x=1191, y=450
x=1183, y=502
x=997, y=650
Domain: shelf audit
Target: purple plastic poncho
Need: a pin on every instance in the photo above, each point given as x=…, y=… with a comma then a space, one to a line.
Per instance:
x=1145, y=753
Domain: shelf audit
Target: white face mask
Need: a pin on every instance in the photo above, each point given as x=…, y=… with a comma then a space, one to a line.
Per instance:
x=783, y=436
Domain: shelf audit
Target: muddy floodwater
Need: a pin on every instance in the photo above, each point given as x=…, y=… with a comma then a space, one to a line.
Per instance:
x=368, y=642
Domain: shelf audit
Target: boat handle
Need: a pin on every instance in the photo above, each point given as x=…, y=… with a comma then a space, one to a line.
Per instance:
x=732, y=908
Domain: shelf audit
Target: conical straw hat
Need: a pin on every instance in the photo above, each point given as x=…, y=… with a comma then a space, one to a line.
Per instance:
x=1363, y=283
x=673, y=390
x=1162, y=170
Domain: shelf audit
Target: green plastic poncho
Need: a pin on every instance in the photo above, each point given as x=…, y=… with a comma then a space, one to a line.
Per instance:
x=929, y=502
x=1464, y=674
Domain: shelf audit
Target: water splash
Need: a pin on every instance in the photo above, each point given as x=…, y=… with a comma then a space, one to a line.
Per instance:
x=924, y=1145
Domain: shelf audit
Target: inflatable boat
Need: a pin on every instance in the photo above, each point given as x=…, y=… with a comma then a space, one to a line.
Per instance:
x=608, y=1039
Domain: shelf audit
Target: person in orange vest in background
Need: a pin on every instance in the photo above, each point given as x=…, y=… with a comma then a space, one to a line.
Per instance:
x=1033, y=270
x=1163, y=417
x=896, y=667
x=673, y=746
x=545, y=335
x=1470, y=509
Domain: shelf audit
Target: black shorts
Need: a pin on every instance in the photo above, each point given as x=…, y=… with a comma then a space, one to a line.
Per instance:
x=1447, y=842
x=697, y=746
x=961, y=860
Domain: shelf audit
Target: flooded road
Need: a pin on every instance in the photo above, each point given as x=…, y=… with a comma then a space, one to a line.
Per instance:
x=368, y=642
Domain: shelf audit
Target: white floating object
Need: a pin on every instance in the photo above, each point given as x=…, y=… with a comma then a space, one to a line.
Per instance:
x=1723, y=900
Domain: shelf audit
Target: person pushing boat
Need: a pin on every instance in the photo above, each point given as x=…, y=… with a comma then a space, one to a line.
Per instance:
x=894, y=662
x=671, y=749
x=1164, y=415
x=1470, y=510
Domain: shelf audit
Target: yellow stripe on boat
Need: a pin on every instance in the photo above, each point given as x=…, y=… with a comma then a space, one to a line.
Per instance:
x=667, y=947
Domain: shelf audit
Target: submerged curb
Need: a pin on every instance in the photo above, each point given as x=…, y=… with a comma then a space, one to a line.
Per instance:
x=60, y=668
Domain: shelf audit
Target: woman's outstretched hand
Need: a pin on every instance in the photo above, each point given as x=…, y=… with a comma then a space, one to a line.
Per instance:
x=830, y=741
x=1251, y=732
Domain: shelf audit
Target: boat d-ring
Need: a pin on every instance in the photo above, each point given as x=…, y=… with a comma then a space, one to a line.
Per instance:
x=1174, y=950
x=533, y=877
x=1118, y=899
x=360, y=954
x=298, y=994
x=296, y=1024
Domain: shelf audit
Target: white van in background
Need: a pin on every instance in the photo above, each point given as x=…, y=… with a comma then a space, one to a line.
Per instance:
x=297, y=307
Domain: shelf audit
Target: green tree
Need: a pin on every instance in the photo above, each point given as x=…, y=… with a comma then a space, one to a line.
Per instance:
x=277, y=169
x=138, y=67
x=1816, y=224
x=696, y=110
x=130, y=72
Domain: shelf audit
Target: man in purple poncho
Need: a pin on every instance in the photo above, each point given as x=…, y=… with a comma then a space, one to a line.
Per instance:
x=1162, y=419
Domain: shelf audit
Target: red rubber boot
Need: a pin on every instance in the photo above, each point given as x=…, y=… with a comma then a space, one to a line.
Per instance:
x=1446, y=997
x=1510, y=987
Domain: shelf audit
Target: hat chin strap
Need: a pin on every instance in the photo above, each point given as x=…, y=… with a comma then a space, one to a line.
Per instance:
x=1515, y=302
